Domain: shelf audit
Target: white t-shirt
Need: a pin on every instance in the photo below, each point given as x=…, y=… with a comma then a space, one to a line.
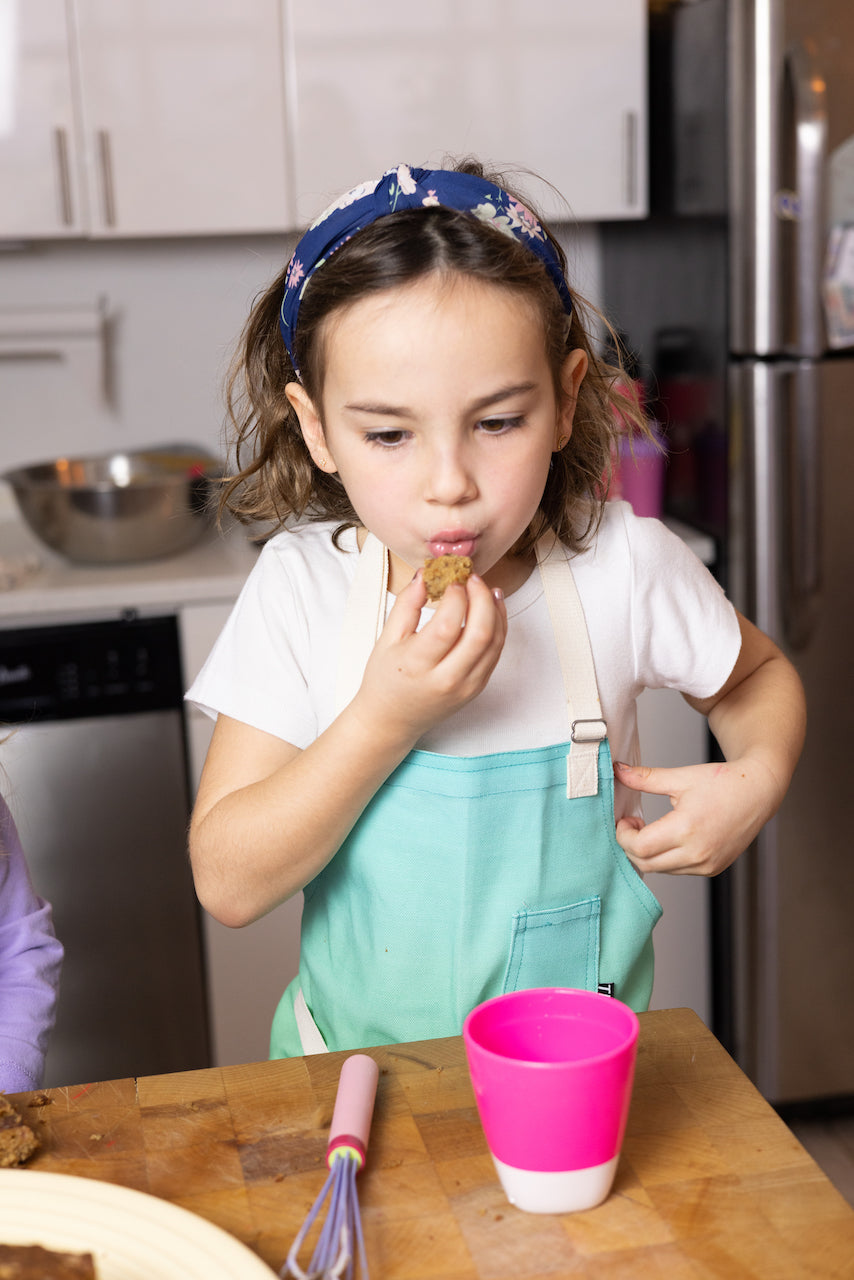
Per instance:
x=655, y=615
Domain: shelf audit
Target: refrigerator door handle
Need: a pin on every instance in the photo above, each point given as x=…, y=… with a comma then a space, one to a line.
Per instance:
x=809, y=140
x=801, y=505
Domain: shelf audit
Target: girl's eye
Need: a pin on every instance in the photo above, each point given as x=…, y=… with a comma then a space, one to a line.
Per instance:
x=497, y=426
x=386, y=439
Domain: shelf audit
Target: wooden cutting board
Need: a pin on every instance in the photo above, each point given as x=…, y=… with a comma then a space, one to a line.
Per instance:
x=710, y=1184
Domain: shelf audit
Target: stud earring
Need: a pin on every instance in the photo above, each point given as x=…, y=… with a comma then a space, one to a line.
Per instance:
x=562, y=443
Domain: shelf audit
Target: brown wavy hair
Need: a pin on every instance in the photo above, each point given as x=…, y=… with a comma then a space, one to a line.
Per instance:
x=275, y=480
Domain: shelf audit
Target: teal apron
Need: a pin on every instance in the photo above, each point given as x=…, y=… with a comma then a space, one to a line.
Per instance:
x=469, y=876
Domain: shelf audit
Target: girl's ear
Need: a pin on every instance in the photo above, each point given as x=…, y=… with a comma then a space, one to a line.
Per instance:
x=311, y=427
x=571, y=377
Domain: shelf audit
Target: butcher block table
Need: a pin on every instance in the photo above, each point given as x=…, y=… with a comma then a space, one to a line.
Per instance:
x=711, y=1182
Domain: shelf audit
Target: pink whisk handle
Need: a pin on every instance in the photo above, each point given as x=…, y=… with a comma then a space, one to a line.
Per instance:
x=354, y=1108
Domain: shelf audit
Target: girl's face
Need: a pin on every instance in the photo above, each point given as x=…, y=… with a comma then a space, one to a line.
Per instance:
x=440, y=416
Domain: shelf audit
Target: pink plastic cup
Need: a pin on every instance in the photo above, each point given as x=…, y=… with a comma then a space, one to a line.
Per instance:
x=642, y=467
x=552, y=1071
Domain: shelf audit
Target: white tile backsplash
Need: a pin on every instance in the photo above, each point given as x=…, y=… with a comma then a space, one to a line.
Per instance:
x=174, y=310
x=173, y=313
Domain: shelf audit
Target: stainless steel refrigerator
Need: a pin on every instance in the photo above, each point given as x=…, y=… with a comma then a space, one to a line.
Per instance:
x=725, y=295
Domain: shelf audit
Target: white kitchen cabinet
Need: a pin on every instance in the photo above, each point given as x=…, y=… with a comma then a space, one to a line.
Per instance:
x=556, y=86
x=129, y=119
x=183, y=115
x=187, y=117
x=40, y=177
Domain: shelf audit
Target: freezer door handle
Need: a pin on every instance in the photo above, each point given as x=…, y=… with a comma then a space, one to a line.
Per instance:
x=801, y=507
x=807, y=207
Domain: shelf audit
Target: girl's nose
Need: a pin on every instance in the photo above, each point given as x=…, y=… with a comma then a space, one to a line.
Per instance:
x=449, y=478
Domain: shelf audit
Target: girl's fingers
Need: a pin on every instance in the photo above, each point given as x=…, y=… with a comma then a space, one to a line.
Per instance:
x=484, y=626
x=650, y=850
x=462, y=640
x=465, y=618
x=653, y=781
x=405, y=613
x=486, y=622
x=419, y=677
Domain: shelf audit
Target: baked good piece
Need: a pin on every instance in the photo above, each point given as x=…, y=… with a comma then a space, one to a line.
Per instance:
x=17, y=1140
x=33, y=1262
x=441, y=572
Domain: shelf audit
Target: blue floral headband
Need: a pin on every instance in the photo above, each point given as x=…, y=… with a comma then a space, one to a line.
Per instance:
x=406, y=188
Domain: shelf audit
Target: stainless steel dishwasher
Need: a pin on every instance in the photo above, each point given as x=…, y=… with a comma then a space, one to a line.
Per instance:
x=94, y=771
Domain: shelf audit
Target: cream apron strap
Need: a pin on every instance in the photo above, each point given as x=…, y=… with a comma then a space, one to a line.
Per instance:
x=309, y=1033
x=364, y=617
x=587, y=728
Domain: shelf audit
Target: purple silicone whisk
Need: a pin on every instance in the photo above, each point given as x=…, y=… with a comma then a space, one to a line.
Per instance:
x=341, y=1235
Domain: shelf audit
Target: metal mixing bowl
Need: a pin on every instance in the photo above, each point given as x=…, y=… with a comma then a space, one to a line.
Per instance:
x=121, y=507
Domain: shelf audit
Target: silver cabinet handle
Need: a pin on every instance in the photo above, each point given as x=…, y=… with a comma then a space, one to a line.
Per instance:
x=105, y=157
x=775, y=552
x=809, y=138
x=60, y=146
x=630, y=157
x=800, y=524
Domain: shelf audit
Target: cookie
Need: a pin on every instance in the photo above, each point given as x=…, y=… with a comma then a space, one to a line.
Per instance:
x=17, y=1140
x=443, y=571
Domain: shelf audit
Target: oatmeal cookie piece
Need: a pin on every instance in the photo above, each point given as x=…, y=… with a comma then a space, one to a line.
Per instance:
x=441, y=572
x=17, y=1140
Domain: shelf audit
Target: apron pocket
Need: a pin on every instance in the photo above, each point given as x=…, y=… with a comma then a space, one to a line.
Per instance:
x=555, y=947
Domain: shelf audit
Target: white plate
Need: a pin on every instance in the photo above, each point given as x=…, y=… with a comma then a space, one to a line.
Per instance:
x=132, y=1236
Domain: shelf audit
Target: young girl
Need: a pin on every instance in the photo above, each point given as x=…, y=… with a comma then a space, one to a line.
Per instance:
x=439, y=780
x=30, y=963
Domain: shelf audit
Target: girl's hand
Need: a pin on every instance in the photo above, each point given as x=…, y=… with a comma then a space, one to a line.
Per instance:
x=718, y=809
x=759, y=719
x=415, y=679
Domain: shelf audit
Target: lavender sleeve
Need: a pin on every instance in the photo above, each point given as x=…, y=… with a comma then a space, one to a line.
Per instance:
x=30, y=963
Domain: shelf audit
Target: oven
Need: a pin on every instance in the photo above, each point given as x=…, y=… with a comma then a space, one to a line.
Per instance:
x=94, y=769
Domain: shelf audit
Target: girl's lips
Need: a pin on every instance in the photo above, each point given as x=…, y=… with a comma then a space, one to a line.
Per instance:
x=452, y=544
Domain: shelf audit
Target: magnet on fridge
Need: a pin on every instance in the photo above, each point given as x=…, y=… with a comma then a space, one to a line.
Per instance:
x=787, y=206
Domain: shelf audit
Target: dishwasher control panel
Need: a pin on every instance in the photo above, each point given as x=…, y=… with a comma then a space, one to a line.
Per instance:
x=89, y=669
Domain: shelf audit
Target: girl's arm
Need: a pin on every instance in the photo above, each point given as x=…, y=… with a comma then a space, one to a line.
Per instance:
x=268, y=816
x=759, y=721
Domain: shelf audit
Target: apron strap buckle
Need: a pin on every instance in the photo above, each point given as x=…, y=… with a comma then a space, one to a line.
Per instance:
x=582, y=763
x=588, y=730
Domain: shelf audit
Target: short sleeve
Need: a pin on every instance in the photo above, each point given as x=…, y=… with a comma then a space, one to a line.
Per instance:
x=685, y=631
x=257, y=670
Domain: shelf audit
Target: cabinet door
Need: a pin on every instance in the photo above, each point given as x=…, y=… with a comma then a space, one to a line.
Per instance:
x=40, y=189
x=182, y=107
x=555, y=86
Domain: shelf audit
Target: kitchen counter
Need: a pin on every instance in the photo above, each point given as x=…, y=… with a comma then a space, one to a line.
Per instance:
x=711, y=1182
x=212, y=570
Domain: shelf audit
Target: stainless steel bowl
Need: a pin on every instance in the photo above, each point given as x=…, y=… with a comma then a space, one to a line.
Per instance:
x=121, y=507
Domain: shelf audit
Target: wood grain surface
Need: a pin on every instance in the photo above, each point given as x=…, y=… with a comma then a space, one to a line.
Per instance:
x=711, y=1183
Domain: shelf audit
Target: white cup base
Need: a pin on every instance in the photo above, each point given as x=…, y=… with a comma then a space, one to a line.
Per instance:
x=556, y=1192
